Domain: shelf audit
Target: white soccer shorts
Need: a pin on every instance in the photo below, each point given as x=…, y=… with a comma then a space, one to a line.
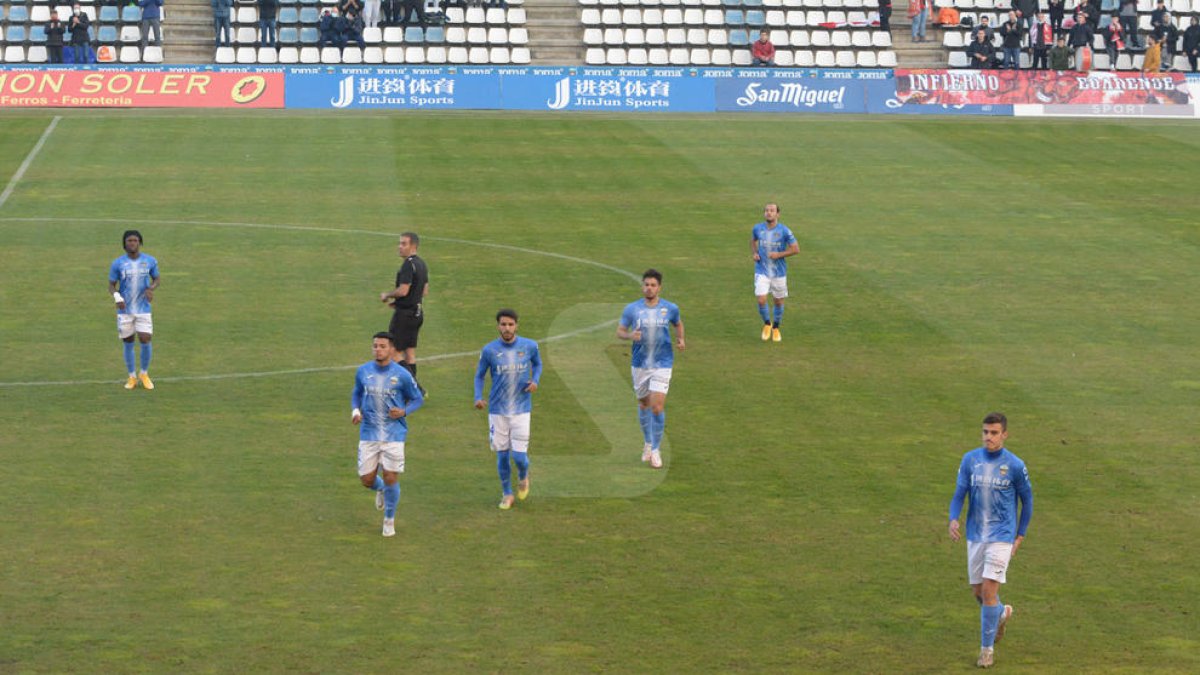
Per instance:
x=987, y=561
x=373, y=454
x=647, y=380
x=509, y=432
x=128, y=324
x=776, y=285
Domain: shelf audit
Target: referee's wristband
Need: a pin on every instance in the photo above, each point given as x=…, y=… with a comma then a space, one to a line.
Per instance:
x=117, y=298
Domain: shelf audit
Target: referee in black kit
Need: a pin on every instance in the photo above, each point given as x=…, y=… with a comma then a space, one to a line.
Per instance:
x=412, y=283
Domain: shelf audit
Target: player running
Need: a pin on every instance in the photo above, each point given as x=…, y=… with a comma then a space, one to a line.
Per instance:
x=645, y=323
x=516, y=368
x=384, y=395
x=771, y=243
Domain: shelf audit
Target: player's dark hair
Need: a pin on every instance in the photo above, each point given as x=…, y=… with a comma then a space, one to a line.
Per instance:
x=510, y=313
x=652, y=274
x=386, y=336
x=776, y=205
x=412, y=236
x=997, y=418
x=132, y=233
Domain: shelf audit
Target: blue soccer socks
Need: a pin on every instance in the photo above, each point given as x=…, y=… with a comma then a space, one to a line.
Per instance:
x=391, y=498
x=658, y=424
x=147, y=351
x=505, y=470
x=989, y=620
x=129, y=359
x=521, y=459
x=778, y=315
x=762, y=311
x=644, y=420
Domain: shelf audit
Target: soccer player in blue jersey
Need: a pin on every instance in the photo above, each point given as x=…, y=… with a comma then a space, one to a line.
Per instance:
x=132, y=279
x=384, y=395
x=995, y=480
x=771, y=243
x=516, y=368
x=645, y=323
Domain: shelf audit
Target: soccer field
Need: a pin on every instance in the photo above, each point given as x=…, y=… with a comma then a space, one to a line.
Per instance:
x=948, y=267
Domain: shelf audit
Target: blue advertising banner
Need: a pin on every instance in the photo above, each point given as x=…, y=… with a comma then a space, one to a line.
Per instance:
x=430, y=88
x=610, y=89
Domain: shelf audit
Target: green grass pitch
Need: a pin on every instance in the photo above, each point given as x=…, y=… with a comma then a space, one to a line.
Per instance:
x=948, y=267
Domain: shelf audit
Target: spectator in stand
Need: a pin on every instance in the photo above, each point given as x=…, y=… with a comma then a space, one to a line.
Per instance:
x=370, y=13
x=1011, y=32
x=55, y=30
x=986, y=26
x=918, y=12
x=1153, y=60
x=1191, y=43
x=762, y=52
x=1056, y=15
x=1089, y=13
x=1129, y=22
x=1027, y=11
x=393, y=12
x=1114, y=41
x=1080, y=40
x=151, y=19
x=354, y=29
x=414, y=7
x=347, y=6
x=1041, y=39
x=885, y=15
x=78, y=24
x=981, y=53
x=268, y=29
x=221, y=10
x=1167, y=35
x=1156, y=16
x=1060, y=55
x=330, y=30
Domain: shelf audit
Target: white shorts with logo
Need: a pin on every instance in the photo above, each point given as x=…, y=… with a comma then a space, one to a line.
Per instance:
x=647, y=380
x=776, y=285
x=128, y=324
x=509, y=432
x=987, y=561
x=373, y=454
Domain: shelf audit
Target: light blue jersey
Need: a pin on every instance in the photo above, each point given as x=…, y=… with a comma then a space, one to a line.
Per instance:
x=654, y=349
x=995, y=482
x=133, y=277
x=378, y=389
x=772, y=240
x=513, y=366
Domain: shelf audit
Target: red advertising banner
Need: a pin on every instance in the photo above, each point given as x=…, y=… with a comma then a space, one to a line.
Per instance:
x=1041, y=87
x=142, y=89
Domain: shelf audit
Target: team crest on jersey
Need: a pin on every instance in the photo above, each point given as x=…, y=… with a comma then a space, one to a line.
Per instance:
x=663, y=311
x=520, y=355
x=1003, y=470
x=393, y=380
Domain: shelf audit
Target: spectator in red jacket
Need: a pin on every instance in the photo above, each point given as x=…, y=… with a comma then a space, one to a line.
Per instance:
x=762, y=51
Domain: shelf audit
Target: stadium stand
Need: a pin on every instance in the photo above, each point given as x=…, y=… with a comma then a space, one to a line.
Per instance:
x=825, y=33
x=114, y=33
x=956, y=38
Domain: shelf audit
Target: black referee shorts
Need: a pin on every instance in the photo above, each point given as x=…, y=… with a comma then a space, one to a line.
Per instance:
x=406, y=324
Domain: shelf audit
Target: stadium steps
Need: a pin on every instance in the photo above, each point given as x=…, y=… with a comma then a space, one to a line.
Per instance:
x=555, y=32
x=909, y=54
x=188, y=30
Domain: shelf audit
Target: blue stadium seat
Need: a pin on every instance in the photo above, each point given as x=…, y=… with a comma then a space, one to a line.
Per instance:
x=1, y=12
x=288, y=35
x=738, y=38
x=131, y=14
x=732, y=3
x=414, y=35
x=37, y=33
x=288, y=15
x=308, y=36
x=734, y=17
x=309, y=2
x=109, y=14
x=18, y=13
x=108, y=34
x=752, y=3
x=309, y=15
x=15, y=34
x=435, y=34
x=755, y=17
